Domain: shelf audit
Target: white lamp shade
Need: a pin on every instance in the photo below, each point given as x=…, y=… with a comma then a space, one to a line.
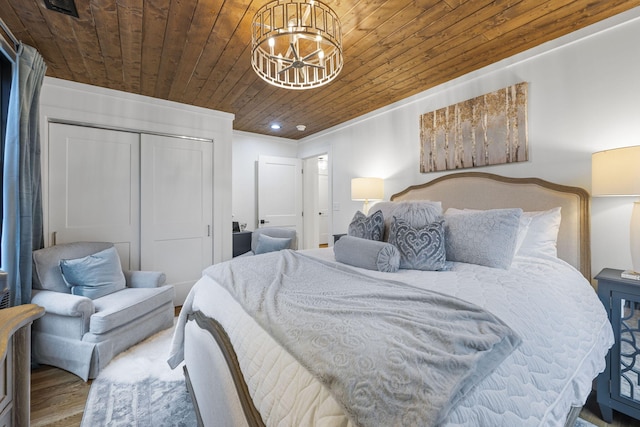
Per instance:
x=616, y=172
x=367, y=189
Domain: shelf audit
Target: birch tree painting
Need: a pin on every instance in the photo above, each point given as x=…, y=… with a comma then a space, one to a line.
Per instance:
x=488, y=130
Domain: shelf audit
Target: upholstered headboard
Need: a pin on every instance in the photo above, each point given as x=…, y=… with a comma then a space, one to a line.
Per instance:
x=477, y=190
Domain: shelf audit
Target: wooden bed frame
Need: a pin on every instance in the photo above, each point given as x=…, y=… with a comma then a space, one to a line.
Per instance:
x=460, y=190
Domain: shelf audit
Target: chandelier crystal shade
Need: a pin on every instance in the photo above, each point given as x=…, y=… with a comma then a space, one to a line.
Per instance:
x=296, y=44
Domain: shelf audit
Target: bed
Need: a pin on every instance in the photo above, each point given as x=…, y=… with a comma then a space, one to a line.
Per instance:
x=538, y=332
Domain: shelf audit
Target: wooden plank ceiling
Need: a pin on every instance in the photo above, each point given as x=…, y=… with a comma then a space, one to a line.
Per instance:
x=198, y=51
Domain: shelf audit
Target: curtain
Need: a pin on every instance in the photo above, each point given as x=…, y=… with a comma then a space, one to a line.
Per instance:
x=22, y=230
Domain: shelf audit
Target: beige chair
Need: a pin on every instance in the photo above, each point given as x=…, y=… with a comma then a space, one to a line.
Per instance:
x=81, y=334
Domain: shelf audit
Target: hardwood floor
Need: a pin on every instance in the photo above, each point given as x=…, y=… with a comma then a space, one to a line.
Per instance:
x=58, y=399
x=591, y=412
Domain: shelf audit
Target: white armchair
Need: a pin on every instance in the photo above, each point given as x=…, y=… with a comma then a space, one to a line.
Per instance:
x=82, y=335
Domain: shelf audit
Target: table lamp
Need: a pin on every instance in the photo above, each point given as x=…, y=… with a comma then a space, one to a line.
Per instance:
x=617, y=173
x=367, y=189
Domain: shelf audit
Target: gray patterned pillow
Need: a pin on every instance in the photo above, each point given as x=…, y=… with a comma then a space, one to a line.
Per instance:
x=420, y=248
x=418, y=213
x=367, y=227
x=484, y=237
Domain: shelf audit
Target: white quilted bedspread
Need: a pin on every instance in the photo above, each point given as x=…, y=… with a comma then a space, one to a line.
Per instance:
x=563, y=325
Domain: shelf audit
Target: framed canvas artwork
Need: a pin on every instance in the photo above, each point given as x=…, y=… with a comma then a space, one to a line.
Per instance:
x=487, y=130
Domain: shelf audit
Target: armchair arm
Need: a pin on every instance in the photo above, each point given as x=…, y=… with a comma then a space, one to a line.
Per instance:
x=64, y=304
x=145, y=279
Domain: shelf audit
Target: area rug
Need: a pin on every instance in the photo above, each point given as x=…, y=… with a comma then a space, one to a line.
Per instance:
x=582, y=423
x=138, y=388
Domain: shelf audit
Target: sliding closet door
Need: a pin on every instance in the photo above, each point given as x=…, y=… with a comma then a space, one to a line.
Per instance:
x=94, y=188
x=176, y=208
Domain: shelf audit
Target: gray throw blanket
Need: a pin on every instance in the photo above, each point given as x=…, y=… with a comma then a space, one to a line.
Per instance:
x=391, y=354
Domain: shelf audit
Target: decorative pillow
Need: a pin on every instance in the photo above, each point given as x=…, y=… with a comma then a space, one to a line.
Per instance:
x=418, y=213
x=483, y=237
x=366, y=253
x=420, y=248
x=542, y=235
x=270, y=244
x=95, y=275
x=522, y=228
x=367, y=227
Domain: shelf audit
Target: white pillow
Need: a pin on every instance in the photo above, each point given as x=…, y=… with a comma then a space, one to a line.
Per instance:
x=542, y=235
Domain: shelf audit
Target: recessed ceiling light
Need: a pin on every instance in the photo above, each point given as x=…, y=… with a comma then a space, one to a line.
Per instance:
x=275, y=126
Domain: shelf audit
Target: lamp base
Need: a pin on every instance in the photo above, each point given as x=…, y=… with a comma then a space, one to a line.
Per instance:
x=630, y=274
x=635, y=237
x=365, y=207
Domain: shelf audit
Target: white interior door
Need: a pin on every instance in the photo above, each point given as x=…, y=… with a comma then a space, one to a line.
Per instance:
x=280, y=193
x=176, y=208
x=94, y=190
x=323, y=207
x=310, y=195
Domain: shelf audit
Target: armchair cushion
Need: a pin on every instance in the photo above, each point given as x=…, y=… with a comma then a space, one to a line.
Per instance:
x=271, y=244
x=145, y=279
x=127, y=305
x=46, y=263
x=95, y=275
x=280, y=233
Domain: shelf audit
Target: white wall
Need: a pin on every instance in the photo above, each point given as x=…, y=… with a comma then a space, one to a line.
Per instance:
x=70, y=102
x=247, y=147
x=583, y=97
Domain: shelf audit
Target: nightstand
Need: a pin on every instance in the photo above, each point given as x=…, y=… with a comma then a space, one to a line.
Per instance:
x=619, y=384
x=337, y=237
x=241, y=242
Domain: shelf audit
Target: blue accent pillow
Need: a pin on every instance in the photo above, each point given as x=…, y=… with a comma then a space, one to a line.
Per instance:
x=420, y=248
x=270, y=244
x=367, y=227
x=365, y=253
x=95, y=275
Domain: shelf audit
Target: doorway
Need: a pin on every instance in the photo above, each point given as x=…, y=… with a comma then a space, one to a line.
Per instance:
x=317, y=196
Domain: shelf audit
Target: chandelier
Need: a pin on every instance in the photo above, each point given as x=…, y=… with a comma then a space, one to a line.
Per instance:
x=296, y=44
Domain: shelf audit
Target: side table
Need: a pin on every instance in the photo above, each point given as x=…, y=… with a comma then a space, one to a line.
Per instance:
x=619, y=384
x=15, y=367
x=241, y=242
x=337, y=237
